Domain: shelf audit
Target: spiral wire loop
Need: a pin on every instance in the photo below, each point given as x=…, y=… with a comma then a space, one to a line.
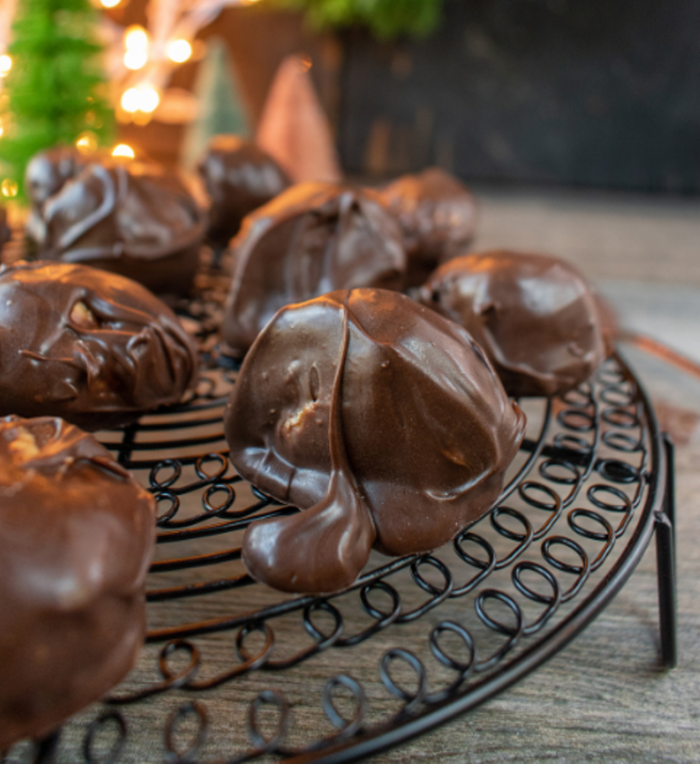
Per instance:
x=575, y=513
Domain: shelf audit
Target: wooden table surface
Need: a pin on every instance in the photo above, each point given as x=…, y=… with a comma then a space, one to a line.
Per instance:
x=604, y=697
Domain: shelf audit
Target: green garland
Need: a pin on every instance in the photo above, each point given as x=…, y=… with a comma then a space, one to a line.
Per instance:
x=385, y=18
x=54, y=91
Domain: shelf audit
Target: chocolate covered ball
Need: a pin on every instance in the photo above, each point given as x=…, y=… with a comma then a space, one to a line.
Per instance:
x=534, y=316
x=76, y=539
x=312, y=239
x=135, y=219
x=378, y=418
x=239, y=177
x=437, y=215
x=92, y=347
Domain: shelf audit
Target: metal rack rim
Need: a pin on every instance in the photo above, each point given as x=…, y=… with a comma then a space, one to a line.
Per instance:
x=388, y=735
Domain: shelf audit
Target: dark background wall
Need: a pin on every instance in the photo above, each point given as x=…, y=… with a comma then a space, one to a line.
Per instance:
x=599, y=93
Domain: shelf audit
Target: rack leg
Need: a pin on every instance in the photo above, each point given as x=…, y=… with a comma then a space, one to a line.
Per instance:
x=46, y=749
x=666, y=564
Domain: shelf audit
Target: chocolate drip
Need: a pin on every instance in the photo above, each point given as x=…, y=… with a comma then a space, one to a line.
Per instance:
x=340, y=526
x=133, y=219
x=46, y=174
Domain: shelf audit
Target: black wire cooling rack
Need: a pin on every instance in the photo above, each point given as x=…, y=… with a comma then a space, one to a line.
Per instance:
x=233, y=671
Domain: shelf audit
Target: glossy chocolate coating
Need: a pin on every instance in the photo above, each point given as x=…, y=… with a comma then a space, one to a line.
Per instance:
x=239, y=177
x=533, y=315
x=135, y=219
x=437, y=215
x=76, y=538
x=48, y=171
x=46, y=174
x=312, y=239
x=381, y=420
x=92, y=347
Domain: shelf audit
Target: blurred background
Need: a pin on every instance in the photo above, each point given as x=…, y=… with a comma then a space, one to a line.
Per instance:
x=595, y=94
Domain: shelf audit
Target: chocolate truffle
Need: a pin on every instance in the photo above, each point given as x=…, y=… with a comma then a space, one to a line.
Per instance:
x=135, y=219
x=76, y=538
x=381, y=420
x=312, y=239
x=239, y=177
x=437, y=215
x=90, y=346
x=533, y=315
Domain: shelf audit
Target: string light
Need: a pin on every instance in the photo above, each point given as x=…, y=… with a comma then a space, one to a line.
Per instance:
x=123, y=150
x=5, y=64
x=144, y=98
x=135, y=59
x=179, y=51
x=86, y=143
x=136, y=38
x=9, y=188
x=130, y=100
x=148, y=99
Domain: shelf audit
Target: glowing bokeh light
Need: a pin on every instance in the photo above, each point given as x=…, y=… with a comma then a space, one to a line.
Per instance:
x=148, y=99
x=179, y=51
x=123, y=150
x=86, y=143
x=5, y=64
x=136, y=38
x=109, y=3
x=131, y=100
x=9, y=188
x=135, y=59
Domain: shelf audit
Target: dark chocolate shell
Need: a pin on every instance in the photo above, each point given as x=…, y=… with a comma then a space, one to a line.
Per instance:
x=312, y=239
x=437, y=214
x=94, y=348
x=381, y=420
x=76, y=538
x=534, y=316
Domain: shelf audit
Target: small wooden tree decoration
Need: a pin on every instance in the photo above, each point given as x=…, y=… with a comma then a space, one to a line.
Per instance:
x=294, y=129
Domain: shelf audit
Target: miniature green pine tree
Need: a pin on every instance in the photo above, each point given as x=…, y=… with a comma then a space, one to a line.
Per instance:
x=220, y=107
x=54, y=92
